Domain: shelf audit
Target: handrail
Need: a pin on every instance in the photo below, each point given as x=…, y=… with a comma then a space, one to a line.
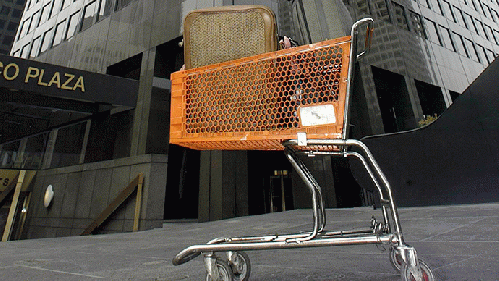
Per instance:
x=122, y=196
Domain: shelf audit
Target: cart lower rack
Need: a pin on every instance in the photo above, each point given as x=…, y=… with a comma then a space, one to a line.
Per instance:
x=294, y=100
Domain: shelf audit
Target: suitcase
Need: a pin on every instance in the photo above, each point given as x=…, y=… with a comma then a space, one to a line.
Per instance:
x=226, y=33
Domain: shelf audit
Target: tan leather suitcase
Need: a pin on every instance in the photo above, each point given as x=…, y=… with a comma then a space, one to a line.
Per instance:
x=226, y=33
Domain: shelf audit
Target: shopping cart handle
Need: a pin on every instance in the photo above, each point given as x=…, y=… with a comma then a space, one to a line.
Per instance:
x=368, y=36
x=185, y=256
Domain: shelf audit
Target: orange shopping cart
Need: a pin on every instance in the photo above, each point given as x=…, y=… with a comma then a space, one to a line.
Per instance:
x=295, y=100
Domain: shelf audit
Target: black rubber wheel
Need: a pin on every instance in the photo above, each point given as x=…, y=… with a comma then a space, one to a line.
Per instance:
x=224, y=271
x=241, y=266
x=421, y=273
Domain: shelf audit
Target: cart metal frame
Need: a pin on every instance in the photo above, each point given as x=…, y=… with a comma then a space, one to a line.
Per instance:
x=403, y=257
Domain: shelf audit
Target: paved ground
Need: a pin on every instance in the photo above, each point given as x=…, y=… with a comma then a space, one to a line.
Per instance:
x=458, y=242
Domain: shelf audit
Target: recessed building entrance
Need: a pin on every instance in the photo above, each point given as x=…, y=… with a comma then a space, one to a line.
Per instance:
x=394, y=101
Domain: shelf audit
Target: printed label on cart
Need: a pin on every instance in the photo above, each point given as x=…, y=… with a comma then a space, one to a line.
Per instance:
x=317, y=115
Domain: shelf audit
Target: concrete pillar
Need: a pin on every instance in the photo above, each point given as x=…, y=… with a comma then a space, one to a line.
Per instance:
x=142, y=109
x=49, y=151
x=20, y=154
x=223, y=185
x=85, y=142
x=413, y=94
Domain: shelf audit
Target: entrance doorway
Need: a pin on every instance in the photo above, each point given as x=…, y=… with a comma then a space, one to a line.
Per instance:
x=182, y=188
x=279, y=196
x=270, y=184
x=431, y=98
x=394, y=101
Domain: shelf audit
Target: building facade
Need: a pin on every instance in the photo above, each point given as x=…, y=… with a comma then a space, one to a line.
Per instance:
x=423, y=55
x=10, y=16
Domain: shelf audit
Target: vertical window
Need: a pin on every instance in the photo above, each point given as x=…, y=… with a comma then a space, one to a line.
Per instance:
x=5, y=10
x=74, y=19
x=47, y=40
x=107, y=7
x=381, y=10
x=468, y=21
x=482, y=9
x=486, y=11
x=474, y=25
x=471, y=49
x=25, y=27
x=363, y=7
x=488, y=32
x=478, y=27
x=121, y=3
x=46, y=10
x=495, y=15
x=459, y=43
x=447, y=9
x=7, y=40
x=432, y=32
x=89, y=15
x=417, y=24
x=475, y=6
x=399, y=16
x=34, y=21
x=35, y=49
x=16, y=13
x=25, y=51
x=448, y=43
x=63, y=4
x=59, y=33
x=426, y=3
x=435, y=6
x=496, y=36
x=11, y=26
x=459, y=16
x=481, y=54
x=490, y=55
x=57, y=6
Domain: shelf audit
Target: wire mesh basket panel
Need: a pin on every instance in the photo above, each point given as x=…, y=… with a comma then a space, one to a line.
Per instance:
x=257, y=102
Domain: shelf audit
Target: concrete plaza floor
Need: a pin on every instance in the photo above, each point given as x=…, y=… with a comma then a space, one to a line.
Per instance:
x=458, y=242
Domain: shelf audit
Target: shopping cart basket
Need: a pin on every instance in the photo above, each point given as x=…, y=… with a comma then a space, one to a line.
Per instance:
x=295, y=100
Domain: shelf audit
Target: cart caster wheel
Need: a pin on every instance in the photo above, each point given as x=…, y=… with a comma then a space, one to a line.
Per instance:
x=240, y=264
x=396, y=259
x=420, y=273
x=224, y=271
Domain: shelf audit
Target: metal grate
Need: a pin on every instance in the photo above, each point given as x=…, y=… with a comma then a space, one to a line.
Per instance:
x=262, y=97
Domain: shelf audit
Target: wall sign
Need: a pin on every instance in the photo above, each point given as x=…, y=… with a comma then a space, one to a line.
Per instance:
x=58, y=81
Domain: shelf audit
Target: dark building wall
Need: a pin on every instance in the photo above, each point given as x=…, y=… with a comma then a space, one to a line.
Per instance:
x=82, y=192
x=10, y=16
x=454, y=160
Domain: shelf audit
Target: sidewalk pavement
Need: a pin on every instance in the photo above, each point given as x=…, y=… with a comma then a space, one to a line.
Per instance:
x=458, y=242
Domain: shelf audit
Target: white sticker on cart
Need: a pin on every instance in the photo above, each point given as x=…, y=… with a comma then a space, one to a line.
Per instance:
x=317, y=115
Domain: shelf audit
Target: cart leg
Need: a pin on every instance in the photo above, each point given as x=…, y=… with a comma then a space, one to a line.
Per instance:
x=383, y=200
x=209, y=264
x=315, y=189
x=379, y=173
x=403, y=257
